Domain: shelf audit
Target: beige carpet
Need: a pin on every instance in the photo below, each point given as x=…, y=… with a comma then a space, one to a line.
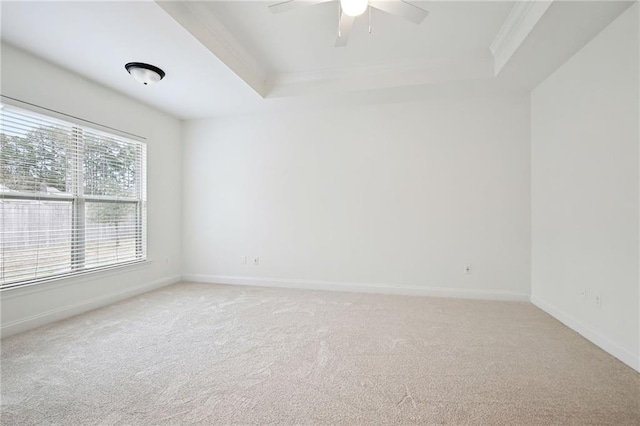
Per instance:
x=206, y=354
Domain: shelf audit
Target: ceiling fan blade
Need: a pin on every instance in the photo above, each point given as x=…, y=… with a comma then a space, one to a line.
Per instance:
x=285, y=6
x=400, y=8
x=344, y=29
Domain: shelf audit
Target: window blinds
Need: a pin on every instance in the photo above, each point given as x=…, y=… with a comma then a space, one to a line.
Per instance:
x=72, y=198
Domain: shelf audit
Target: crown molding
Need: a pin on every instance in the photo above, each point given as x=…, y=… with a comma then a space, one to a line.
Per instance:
x=521, y=20
x=380, y=77
x=199, y=20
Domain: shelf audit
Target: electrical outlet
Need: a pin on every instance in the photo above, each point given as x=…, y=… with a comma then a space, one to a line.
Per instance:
x=467, y=270
x=598, y=301
x=583, y=295
x=256, y=261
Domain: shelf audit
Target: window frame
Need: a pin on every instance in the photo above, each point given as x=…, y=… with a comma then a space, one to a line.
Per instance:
x=78, y=199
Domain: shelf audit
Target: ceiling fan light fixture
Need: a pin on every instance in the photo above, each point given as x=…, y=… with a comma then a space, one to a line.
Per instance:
x=354, y=7
x=144, y=73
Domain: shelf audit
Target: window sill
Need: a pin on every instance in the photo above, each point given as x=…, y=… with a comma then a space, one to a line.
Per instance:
x=52, y=283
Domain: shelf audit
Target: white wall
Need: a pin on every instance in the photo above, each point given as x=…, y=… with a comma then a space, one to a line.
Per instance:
x=36, y=81
x=398, y=195
x=585, y=185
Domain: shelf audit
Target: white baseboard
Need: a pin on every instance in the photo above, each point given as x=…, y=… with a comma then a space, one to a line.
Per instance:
x=359, y=287
x=24, y=324
x=614, y=349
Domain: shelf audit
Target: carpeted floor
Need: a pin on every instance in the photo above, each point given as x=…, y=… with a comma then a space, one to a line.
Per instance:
x=207, y=354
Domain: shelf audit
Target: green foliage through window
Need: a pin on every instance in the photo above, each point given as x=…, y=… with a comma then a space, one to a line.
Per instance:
x=71, y=198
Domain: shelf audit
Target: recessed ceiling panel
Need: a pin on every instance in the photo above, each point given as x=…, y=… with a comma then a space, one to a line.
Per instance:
x=303, y=39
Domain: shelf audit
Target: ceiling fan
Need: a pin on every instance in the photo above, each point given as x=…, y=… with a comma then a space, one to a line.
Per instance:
x=350, y=9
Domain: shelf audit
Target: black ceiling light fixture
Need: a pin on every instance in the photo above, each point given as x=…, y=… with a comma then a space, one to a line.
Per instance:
x=144, y=73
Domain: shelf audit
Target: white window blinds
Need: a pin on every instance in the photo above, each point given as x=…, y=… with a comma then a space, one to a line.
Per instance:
x=72, y=198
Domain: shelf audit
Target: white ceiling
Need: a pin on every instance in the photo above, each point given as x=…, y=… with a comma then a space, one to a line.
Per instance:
x=303, y=39
x=228, y=57
x=96, y=39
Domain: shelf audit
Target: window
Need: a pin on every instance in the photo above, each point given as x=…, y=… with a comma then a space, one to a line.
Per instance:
x=72, y=198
